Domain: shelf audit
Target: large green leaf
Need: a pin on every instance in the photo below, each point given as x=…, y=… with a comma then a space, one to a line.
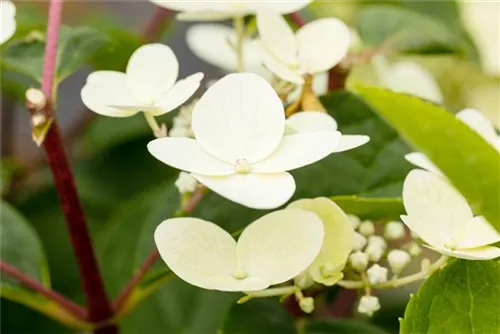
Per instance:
x=341, y=326
x=371, y=208
x=464, y=297
x=76, y=45
x=469, y=162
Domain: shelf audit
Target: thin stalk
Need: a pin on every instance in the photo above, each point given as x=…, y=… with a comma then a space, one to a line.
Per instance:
x=239, y=26
x=158, y=131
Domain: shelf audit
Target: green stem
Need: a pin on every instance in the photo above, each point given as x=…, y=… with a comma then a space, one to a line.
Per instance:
x=286, y=290
x=157, y=130
x=239, y=26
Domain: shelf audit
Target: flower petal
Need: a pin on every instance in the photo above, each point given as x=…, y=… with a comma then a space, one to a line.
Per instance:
x=206, y=15
x=186, y=154
x=281, y=70
x=8, y=27
x=322, y=44
x=151, y=71
x=432, y=202
x=477, y=233
x=307, y=121
x=258, y=191
x=282, y=7
x=348, y=142
x=424, y=231
x=179, y=94
x=229, y=283
x=239, y=117
x=280, y=245
x=195, y=249
x=299, y=150
x=277, y=37
x=479, y=123
x=480, y=253
x=105, y=89
x=420, y=160
x=338, y=241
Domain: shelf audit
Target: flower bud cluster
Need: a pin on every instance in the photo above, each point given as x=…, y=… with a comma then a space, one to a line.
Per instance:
x=182, y=122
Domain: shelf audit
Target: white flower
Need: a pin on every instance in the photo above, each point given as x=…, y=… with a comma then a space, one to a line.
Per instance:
x=8, y=13
x=354, y=220
x=394, y=230
x=374, y=251
x=186, y=183
x=477, y=122
x=377, y=274
x=337, y=243
x=443, y=219
x=240, y=151
x=368, y=305
x=271, y=250
x=408, y=77
x=308, y=121
x=358, y=261
x=481, y=20
x=366, y=228
x=208, y=10
x=316, y=47
x=149, y=85
x=359, y=241
x=398, y=260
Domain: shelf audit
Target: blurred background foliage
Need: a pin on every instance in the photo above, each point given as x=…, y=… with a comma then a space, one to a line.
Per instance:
x=126, y=192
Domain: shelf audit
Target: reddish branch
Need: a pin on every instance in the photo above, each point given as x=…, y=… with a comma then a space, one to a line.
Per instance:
x=32, y=284
x=297, y=19
x=153, y=30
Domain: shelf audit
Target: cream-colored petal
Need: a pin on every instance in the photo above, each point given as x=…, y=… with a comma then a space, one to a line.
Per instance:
x=322, y=44
x=299, y=150
x=479, y=123
x=481, y=253
x=105, y=89
x=180, y=93
x=277, y=37
x=431, y=201
x=8, y=25
x=195, y=249
x=280, y=245
x=424, y=231
x=206, y=15
x=348, y=142
x=420, y=160
x=186, y=154
x=258, y=191
x=307, y=121
x=229, y=283
x=477, y=232
x=282, y=7
x=239, y=117
x=338, y=240
x=152, y=71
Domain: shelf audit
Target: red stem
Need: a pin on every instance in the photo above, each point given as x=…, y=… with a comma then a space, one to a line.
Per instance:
x=50, y=58
x=32, y=284
x=153, y=30
x=297, y=19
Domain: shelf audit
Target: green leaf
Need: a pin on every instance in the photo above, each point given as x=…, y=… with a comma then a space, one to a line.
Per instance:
x=464, y=297
x=116, y=52
x=263, y=316
x=76, y=45
x=371, y=208
x=406, y=31
x=341, y=326
x=469, y=162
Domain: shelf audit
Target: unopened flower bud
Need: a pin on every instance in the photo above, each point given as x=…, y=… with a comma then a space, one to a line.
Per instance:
x=307, y=304
x=368, y=305
x=186, y=183
x=303, y=280
x=35, y=99
x=377, y=274
x=378, y=241
x=394, y=230
x=366, y=228
x=414, y=249
x=358, y=261
x=398, y=260
x=375, y=252
x=359, y=241
x=354, y=220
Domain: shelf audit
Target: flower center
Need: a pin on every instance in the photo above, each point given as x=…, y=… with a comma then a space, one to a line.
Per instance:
x=242, y=166
x=240, y=273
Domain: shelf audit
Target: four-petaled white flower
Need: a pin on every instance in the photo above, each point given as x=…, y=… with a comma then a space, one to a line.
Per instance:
x=8, y=12
x=208, y=10
x=309, y=121
x=316, y=47
x=477, y=122
x=338, y=241
x=240, y=151
x=443, y=219
x=272, y=250
x=149, y=85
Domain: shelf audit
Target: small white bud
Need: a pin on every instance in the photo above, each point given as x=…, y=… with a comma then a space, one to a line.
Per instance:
x=358, y=261
x=35, y=98
x=366, y=228
x=374, y=251
x=186, y=183
x=378, y=241
x=179, y=132
x=398, y=260
x=354, y=220
x=38, y=120
x=394, y=230
x=368, y=305
x=414, y=249
x=377, y=274
x=307, y=304
x=359, y=241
